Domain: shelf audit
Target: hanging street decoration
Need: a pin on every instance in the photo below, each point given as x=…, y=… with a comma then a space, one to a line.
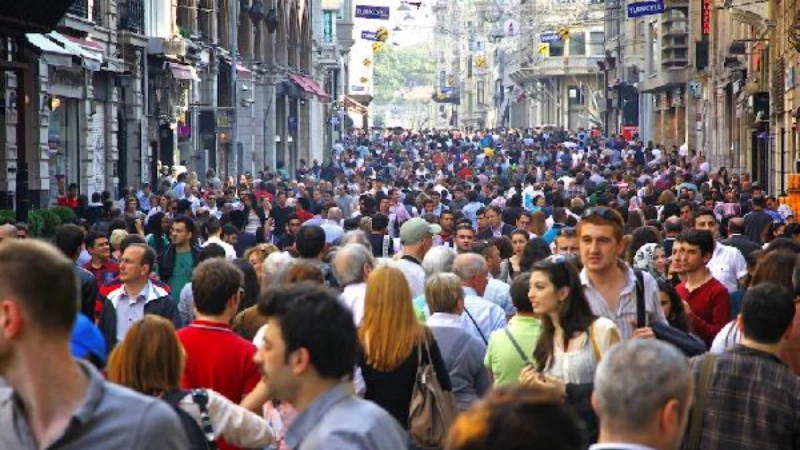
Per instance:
x=377, y=46
x=372, y=12
x=367, y=62
x=543, y=49
x=382, y=34
x=563, y=33
x=481, y=62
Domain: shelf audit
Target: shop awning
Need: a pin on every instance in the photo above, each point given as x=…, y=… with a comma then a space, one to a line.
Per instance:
x=183, y=71
x=352, y=104
x=54, y=54
x=91, y=53
x=309, y=86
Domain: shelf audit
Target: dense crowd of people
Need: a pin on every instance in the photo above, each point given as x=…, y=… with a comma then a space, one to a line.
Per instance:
x=431, y=289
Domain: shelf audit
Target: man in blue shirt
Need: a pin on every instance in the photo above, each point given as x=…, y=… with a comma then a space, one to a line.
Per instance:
x=309, y=348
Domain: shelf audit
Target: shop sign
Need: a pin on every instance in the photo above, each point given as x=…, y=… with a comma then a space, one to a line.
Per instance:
x=224, y=120
x=706, y=16
x=641, y=9
x=372, y=12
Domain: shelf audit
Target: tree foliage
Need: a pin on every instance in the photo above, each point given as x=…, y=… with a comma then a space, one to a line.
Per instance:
x=399, y=67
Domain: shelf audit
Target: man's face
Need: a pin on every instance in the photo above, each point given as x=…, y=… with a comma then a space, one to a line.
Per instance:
x=523, y=222
x=492, y=218
x=22, y=233
x=770, y=203
x=493, y=260
x=384, y=205
x=282, y=200
x=101, y=249
x=464, y=239
x=436, y=198
x=294, y=226
x=599, y=246
x=446, y=221
x=567, y=245
x=706, y=222
x=180, y=235
x=691, y=257
x=481, y=280
x=676, y=265
x=429, y=206
x=395, y=196
x=271, y=360
x=458, y=195
x=130, y=265
x=73, y=192
x=686, y=213
x=232, y=238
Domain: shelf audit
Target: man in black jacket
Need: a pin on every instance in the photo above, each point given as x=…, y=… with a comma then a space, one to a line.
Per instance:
x=180, y=258
x=737, y=239
x=495, y=227
x=136, y=297
x=70, y=240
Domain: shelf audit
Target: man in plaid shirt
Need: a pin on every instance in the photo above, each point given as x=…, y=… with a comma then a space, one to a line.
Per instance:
x=753, y=400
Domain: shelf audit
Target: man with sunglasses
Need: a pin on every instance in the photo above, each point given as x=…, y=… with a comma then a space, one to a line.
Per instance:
x=609, y=283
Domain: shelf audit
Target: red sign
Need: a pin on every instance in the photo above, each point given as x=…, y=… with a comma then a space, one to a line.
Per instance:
x=628, y=131
x=706, y=17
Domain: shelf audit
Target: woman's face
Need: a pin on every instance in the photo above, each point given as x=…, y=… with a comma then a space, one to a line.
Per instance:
x=660, y=260
x=540, y=201
x=779, y=231
x=666, y=304
x=255, y=261
x=166, y=225
x=543, y=295
x=518, y=242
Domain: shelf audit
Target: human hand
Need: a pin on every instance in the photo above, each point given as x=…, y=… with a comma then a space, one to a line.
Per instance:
x=644, y=333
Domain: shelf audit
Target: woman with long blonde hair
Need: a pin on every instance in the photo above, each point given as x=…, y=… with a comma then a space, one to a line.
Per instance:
x=150, y=360
x=392, y=342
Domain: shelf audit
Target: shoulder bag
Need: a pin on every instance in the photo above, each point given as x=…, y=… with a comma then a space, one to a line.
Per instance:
x=432, y=409
x=688, y=344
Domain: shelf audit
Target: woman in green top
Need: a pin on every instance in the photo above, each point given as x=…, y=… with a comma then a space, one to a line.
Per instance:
x=511, y=349
x=158, y=227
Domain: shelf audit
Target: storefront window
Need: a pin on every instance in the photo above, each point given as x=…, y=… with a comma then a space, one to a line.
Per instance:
x=62, y=140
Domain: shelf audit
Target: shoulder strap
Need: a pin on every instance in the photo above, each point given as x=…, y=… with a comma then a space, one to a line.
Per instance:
x=595, y=347
x=200, y=397
x=386, y=241
x=476, y=326
x=694, y=433
x=641, y=310
x=516, y=345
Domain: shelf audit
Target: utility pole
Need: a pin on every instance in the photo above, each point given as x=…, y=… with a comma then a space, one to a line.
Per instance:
x=234, y=13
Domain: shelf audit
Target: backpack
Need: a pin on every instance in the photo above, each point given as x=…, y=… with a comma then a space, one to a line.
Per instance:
x=432, y=409
x=200, y=438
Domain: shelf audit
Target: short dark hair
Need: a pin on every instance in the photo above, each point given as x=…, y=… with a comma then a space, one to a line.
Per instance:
x=310, y=241
x=673, y=226
x=767, y=311
x=700, y=238
x=129, y=240
x=311, y=317
x=69, y=239
x=210, y=250
x=482, y=247
x=187, y=222
x=213, y=226
x=214, y=281
x=31, y=272
x=520, y=286
x=704, y=212
x=92, y=237
x=380, y=221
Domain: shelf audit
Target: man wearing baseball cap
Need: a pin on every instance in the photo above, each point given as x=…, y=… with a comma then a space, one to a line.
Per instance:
x=416, y=235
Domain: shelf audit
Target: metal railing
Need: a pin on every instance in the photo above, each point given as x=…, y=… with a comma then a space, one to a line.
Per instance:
x=132, y=16
x=79, y=8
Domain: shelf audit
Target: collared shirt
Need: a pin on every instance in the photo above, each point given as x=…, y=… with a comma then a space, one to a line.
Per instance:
x=108, y=417
x=130, y=309
x=753, y=402
x=619, y=447
x=625, y=312
x=727, y=265
x=339, y=420
x=353, y=298
x=499, y=293
x=230, y=252
x=487, y=315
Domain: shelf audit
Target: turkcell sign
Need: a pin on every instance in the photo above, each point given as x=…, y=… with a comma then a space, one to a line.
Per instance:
x=372, y=12
x=641, y=9
x=369, y=35
x=548, y=37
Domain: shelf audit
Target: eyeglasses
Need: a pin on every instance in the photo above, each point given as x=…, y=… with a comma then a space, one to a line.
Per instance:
x=601, y=212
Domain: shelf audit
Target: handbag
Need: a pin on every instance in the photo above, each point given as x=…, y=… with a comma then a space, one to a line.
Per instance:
x=432, y=409
x=685, y=342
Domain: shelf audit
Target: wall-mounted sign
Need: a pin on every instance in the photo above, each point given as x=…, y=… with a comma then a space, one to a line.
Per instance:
x=369, y=35
x=372, y=12
x=648, y=8
x=706, y=16
x=548, y=37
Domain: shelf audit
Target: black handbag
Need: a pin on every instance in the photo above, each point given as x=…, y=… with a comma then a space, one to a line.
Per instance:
x=688, y=344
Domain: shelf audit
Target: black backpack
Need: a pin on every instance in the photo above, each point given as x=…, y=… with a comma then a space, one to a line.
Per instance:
x=200, y=438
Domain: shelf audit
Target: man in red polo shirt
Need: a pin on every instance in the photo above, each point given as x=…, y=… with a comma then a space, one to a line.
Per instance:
x=101, y=266
x=216, y=357
x=705, y=299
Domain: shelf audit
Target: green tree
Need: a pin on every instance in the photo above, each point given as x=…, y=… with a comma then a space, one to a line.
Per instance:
x=399, y=67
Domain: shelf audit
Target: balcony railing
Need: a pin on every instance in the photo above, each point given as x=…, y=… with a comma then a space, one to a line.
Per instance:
x=132, y=16
x=79, y=8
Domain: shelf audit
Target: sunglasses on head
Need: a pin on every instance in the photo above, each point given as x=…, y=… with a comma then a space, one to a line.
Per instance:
x=602, y=212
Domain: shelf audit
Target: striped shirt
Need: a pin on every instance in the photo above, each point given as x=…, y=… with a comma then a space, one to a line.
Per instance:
x=625, y=313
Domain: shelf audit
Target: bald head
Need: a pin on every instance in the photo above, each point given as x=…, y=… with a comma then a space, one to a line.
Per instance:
x=736, y=225
x=8, y=231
